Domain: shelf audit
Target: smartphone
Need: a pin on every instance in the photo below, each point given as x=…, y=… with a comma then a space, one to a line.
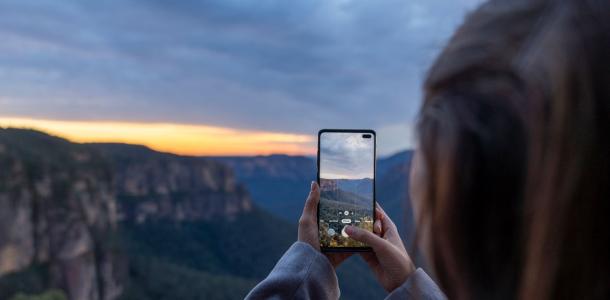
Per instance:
x=346, y=175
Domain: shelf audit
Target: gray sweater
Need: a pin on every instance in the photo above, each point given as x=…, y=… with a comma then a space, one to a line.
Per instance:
x=305, y=273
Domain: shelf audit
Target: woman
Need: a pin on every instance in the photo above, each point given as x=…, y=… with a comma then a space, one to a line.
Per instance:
x=511, y=199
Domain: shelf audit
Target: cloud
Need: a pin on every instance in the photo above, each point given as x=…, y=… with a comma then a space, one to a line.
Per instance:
x=346, y=155
x=270, y=65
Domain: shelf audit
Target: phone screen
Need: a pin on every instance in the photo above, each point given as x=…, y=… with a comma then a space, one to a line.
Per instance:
x=346, y=175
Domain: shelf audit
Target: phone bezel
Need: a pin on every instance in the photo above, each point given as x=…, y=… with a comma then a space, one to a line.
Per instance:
x=363, y=131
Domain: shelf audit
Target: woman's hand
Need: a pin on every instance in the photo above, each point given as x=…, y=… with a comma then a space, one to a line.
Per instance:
x=389, y=260
x=308, y=226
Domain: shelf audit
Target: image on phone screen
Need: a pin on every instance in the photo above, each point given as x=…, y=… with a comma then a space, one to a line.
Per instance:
x=346, y=175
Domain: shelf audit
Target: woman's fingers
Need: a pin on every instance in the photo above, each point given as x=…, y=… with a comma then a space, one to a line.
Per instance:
x=308, y=230
x=387, y=225
x=388, y=229
x=377, y=227
x=378, y=212
x=387, y=222
x=366, y=236
x=311, y=204
x=380, y=209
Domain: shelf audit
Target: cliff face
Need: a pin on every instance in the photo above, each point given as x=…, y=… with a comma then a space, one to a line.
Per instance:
x=61, y=203
x=153, y=185
x=57, y=208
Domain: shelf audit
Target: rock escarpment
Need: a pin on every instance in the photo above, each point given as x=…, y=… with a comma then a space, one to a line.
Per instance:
x=57, y=208
x=62, y=205
x=154, y=185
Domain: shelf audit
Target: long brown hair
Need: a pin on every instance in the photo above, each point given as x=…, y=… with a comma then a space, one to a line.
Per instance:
x=492, y=124
x=568, y=253
x=473, y=141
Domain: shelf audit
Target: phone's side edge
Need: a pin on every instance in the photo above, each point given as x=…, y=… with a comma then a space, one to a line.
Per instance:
x=374, y=178
x=318, y=182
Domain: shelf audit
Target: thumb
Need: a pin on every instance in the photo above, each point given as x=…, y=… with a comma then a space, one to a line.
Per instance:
x=364, y=236
x=311, y=204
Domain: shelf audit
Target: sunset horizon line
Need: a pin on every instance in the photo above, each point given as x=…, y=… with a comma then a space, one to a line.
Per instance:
x=174, y=138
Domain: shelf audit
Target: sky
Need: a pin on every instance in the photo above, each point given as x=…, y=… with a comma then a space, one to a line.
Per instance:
x=220, y=76
x=346, y=156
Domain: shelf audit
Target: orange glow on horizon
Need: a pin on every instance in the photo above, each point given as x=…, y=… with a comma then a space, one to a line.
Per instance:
x=180, y=139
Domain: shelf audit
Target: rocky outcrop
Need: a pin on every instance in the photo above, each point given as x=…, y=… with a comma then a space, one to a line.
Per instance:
x=154, y=185
x=57, y=207
x=61, y=203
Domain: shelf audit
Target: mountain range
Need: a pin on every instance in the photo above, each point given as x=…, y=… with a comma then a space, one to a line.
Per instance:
x=115, y=221
x=362, y=187
x=280, y=183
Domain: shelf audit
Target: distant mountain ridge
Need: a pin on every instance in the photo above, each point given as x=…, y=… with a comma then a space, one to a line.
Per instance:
x=361, y=187
x=277, y=183
x=280, y=183
x=155, y=185
x=357, y=192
